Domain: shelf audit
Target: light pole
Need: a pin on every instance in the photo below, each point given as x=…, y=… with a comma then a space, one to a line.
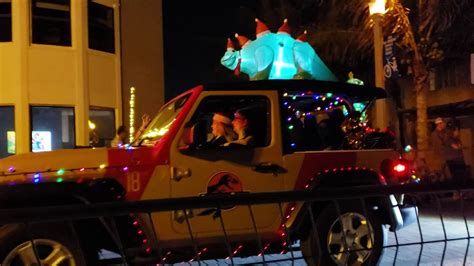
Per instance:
x=377, y=10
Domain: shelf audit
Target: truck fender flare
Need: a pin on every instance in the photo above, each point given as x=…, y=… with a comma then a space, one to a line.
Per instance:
x=88, y=192
x=387, y=207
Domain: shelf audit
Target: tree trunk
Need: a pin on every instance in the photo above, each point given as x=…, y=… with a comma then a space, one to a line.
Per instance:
x=420, y=75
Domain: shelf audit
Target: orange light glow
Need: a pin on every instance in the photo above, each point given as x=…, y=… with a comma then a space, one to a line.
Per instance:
x=377, y=7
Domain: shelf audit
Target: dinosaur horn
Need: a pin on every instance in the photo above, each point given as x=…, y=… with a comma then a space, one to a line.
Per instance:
x=261, y=28
x=243, y=41
x=230, y=45
x=303, y=37
x=284, y=28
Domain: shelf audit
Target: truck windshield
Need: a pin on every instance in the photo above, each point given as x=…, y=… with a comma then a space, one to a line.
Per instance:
x=163, y=121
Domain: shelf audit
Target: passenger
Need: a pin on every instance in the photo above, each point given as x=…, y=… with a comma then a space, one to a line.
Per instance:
x=221, y=130
x=310, y=135
x=335, y=137
x=243, y=128
x=324, y=132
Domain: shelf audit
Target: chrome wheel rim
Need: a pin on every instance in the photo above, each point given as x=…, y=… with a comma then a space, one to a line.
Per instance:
x=49, y=252
x=350, y=239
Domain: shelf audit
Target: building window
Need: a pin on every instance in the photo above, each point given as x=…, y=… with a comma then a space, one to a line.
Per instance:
x=52, y=128
x=7, y=131
x=101, y=127
x=5, y=21
x=51, y=22
x=101, y=27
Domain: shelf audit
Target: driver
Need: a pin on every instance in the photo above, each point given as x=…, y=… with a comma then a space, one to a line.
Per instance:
x=221, y=130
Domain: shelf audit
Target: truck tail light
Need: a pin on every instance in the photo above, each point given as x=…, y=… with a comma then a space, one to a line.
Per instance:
x=399, y=168
x=395, y=171
x=401, y=171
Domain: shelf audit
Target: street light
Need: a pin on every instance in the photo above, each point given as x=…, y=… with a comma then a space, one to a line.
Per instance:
x=377, y=10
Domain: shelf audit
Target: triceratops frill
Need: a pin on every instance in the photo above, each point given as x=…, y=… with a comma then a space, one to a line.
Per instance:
x=275, y=56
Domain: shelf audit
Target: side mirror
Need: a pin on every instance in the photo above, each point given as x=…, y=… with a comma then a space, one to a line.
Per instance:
x=194, y=134
x=188, y=136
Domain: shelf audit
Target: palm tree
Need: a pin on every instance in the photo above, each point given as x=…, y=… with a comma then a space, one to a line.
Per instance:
x=342, y=33
x=436, y=18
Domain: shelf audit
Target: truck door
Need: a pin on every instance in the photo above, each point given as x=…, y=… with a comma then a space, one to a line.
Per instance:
x=201, y=169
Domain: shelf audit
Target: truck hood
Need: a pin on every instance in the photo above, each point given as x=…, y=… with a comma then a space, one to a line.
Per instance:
x=53, y=161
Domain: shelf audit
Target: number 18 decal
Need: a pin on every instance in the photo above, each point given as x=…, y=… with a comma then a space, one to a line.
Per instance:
x=133, y=181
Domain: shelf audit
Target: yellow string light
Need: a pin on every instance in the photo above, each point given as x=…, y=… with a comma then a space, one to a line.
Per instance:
x=132, y=114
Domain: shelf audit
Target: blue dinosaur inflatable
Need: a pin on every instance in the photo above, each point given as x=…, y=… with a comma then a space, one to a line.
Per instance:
x=275, y=56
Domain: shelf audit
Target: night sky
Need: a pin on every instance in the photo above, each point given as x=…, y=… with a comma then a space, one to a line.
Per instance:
x=195, y=38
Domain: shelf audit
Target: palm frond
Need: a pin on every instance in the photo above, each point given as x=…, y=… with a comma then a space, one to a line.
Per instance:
x=342, y=30
x=437, y=16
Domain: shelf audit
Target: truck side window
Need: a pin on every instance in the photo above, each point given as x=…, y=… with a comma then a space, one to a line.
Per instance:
x=230, y=122
x=312, y=121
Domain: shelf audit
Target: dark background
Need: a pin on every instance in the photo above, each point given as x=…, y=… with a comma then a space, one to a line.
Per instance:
x=195, y=38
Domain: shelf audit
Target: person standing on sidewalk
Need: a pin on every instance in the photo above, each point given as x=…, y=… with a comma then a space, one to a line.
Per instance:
x=447, y=149
x=455, y=159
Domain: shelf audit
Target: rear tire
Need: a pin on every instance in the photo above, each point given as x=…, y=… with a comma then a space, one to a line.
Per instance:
x=362, y=232
x=55, y=244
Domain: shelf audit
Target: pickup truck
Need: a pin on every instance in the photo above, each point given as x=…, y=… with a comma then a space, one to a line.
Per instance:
x=299, y=144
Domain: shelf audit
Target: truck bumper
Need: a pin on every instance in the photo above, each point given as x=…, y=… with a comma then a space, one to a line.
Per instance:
x=401, y=216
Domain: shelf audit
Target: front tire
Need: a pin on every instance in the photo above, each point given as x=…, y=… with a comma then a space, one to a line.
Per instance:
x=54, y=244
x=363, y=232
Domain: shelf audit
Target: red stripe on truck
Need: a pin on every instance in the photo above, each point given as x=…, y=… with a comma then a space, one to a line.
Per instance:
x=313, y=163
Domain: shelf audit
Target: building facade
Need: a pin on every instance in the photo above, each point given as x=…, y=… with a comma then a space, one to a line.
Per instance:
x=450, y=96
x=60, y=73
x=142, y=57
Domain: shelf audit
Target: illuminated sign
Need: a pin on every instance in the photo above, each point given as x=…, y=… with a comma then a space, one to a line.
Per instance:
x=40, y=141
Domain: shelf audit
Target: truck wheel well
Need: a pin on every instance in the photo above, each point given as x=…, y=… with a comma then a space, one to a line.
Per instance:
x=303, y=224
x=338, y=179
x=69, y=193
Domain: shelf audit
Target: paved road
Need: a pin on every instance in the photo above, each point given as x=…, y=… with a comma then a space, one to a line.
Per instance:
x=430, y=229
x=431, y=224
